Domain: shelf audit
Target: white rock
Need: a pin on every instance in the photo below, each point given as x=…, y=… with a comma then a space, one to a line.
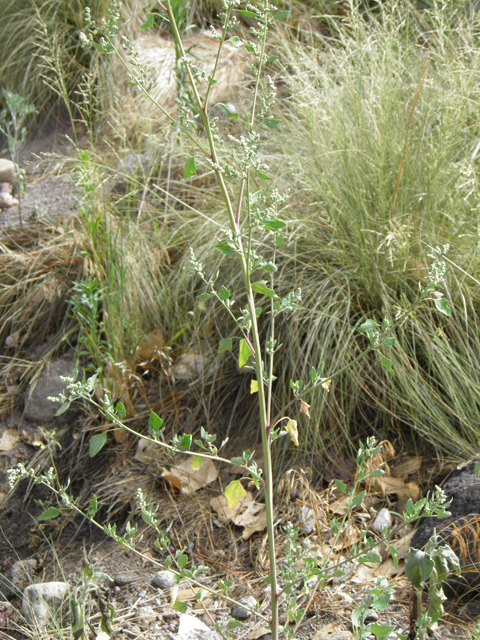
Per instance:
x=102, y=636
x=307, y=521
x=239, y=612
x=40, y=601
x=191, y=628
x=7, y=170
x=383, y=519
x=164, y=580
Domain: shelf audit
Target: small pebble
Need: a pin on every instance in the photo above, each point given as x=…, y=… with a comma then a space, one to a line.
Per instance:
x=239, y=612
x=164, y=580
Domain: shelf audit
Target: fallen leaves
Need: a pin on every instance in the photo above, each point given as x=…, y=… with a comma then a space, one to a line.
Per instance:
x=246, y=513
x=185, y=479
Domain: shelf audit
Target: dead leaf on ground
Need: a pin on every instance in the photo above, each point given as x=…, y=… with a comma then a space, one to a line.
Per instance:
x=408, y=466
x=150, y=348
x=339, y=506
x=183, y=478
x=3, y=495
x=246, y=513
x=350, y=535
x=12, y=339
x=410, y=491
x=365, y=573
x=386, y=484
x=388, y=568
x=9, y=440
x=258, y=633
x=148, y=452
x=186, y=594
x=402, y=545
x=333, y=631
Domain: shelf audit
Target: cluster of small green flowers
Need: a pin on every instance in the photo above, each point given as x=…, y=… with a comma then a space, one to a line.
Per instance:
x=249, y=147
x=15, y=474
x=438, y=268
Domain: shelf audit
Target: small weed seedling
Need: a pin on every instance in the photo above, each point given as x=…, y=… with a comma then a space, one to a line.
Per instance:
x=12, y=125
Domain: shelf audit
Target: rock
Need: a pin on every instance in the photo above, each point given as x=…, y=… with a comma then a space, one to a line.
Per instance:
x=383, y=519
x=307, y=521
x=49, y=384
x=372, y=616
x=164, y=580
x=7, y=170
x=124, y=577
x=6, y=198
x=40, y=601
x=191, y=628
x=239, y=612
x=17, y=577
x=461, y=531
x=102, y=636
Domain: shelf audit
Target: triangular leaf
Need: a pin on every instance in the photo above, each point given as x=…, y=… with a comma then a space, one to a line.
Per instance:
x=97, y=443
x=442, y=306
x=225, y=345
x=190, y=168
x=148, y=22
x=245, y=352
x=196, y=462
x=178, y=605
x=235, y=41
x=253, y=386
x=292, y=431
x=234, y=492
x=387, y=363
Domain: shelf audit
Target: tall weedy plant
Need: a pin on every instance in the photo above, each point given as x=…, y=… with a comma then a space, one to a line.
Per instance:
x=254, y=235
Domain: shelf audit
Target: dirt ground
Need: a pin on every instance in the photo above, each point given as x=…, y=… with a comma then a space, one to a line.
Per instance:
x=142, y=610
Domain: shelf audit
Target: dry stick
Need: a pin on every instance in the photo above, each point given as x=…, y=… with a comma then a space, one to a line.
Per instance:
x=426, y=64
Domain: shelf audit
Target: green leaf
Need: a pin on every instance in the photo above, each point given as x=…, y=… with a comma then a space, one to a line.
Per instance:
x=371, y=556
x=235, y=41
x=190, y=168
x=65, y=406
x=120, y=409
x=381, y=630
x=234, y=492
x=182, y=561
x=155, y=423
x=233, y=624
x=203, y=296
x=229, y=110
x=358, y=499
x=186, y=442
x=342, y=487
x=389, y=342
x=263, y=176
x=248, y=14
x=253, y=386
x=225, y=345
x=178, y=605
x=148, y=22
x=196, y=462
x=281, y=15
x=418, y=567
x=224, y=293
x=368, y=326
x=261, y=287
x=274, y=225
x=49, y=514
x=271, y=122
x=225, y=247
x=245, y=352
x=93, y=506
x=442, y=306
x=97, y=443
x=387, y=363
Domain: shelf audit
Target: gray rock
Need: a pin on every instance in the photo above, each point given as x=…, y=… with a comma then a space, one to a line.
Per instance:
x=7, y=170
x=461, y=531
x=191, y=628
x=124, y=577
x=307, y=521
x=6, y=198
x=42, y=601
x=164, y=580
x=16, y=578
x=49, y=384
x=239, y=612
